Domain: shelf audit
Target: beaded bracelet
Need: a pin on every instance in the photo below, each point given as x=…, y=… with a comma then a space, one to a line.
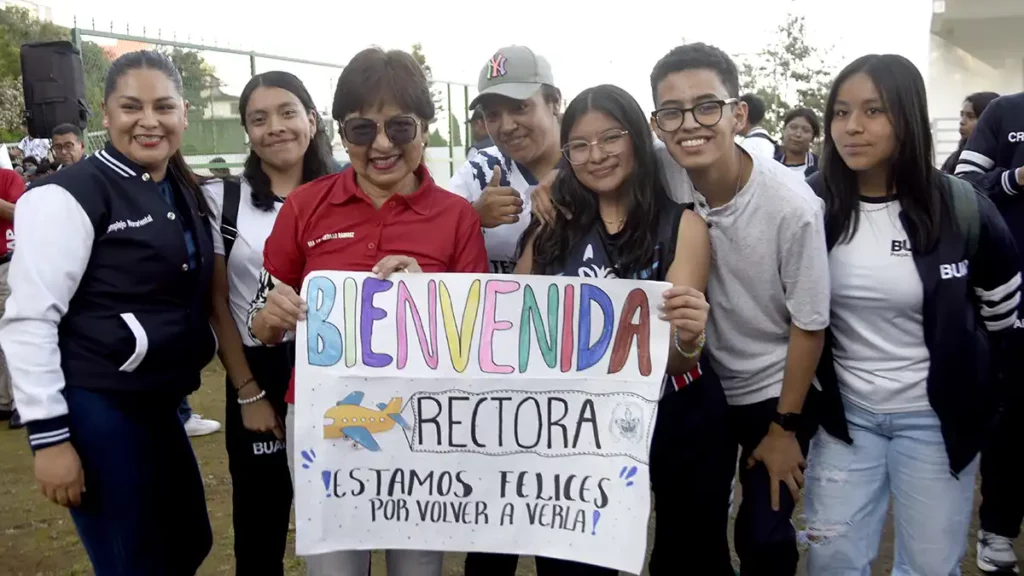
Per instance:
x=256, y=398
x=700, y=345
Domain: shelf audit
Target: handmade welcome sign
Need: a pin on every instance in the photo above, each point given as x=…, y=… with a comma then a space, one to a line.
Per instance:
x=466, y=412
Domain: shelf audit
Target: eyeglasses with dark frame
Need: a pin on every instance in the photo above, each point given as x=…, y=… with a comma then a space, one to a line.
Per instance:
x=400, y=130
x=67, y=147
x=707, y=114
x=612, y=143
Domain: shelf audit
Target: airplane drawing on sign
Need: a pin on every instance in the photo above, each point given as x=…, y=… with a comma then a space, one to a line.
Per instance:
x=351, y=420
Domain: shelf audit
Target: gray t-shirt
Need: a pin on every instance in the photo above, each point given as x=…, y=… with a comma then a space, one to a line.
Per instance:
x=769, y=269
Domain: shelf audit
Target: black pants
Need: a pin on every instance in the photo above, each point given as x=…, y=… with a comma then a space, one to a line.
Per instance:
x=144, y=511
x=1002, y=500
x=692, y=464
x=261, y=496
x=484, y=564
x=765, y=539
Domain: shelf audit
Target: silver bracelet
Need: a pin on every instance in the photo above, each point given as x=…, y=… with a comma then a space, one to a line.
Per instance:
x=256, y=398
x=689, y=355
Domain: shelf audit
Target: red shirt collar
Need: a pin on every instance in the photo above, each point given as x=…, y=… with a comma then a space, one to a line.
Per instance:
x=346, y=190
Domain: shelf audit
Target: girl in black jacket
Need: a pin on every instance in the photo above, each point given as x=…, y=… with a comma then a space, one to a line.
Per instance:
x=925, y=283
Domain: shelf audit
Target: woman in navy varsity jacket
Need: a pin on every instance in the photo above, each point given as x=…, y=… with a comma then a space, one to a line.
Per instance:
x=624, y=225
x=925, y=289
x=107, y=328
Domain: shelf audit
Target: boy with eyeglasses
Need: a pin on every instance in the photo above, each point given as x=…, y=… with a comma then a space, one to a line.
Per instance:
x=768, y=288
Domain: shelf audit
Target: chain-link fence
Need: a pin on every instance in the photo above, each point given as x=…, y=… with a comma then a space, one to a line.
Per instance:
x=213, y=78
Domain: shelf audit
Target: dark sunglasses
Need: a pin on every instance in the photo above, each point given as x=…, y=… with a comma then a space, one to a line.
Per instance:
x=401, y=130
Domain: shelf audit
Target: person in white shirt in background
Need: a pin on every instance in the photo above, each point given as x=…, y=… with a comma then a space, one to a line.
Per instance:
x=756, y=139
x=37, y=148
x=5, y=158
x=478, y=132
x=521, y=109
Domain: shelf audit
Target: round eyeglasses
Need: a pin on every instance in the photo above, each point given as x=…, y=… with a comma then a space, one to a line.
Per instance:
x=707, y=114
x=611, y=143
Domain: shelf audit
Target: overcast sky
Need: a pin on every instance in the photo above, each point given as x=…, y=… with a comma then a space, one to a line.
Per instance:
x=585, y=46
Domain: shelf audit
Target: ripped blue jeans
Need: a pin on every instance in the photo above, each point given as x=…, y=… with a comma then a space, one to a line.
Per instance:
x=847, y=490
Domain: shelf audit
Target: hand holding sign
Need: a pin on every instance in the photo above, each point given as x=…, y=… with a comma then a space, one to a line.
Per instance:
x=397, y=263
x=284, y=308
x=499, y=204
x=687, y=310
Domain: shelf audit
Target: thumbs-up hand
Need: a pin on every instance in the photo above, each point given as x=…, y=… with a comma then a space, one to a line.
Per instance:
x=498, y=204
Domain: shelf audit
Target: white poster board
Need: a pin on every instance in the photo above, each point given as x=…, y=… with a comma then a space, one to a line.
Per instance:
x=474, y=412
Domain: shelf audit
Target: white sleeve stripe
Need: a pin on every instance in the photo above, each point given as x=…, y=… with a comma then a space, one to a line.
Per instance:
x=45, y=435
x=982, y=161
x=53, y=440
x=1001, y=309
x=1001, y=324
x=966, y=169
x=999, y=293
x=1007, y=185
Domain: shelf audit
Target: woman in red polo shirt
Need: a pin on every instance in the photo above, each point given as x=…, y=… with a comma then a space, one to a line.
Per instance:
x=384, y=214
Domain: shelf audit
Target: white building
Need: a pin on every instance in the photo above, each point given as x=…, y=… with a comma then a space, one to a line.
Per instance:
x=38, y=10
x=975, y=45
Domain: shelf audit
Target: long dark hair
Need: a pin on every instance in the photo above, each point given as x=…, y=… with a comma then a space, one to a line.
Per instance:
x=911, y=174
x=643, y=191
x=318, y=160
x=978, y=101
x=153, y=60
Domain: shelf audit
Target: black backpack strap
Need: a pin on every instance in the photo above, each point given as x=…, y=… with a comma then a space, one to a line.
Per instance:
x=964, y=202
x=229, y=215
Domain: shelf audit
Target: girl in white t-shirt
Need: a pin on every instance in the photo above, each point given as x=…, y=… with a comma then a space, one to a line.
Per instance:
x=288, y=147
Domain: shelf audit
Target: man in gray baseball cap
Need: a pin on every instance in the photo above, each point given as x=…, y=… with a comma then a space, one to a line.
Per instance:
x=514, y=72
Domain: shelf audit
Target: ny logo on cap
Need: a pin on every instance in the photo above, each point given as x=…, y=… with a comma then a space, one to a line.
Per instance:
x=497, y=67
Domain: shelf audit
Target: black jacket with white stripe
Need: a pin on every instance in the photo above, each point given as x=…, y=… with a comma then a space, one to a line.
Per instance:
x=103, y=294
x=970, y=309
x=994, y=154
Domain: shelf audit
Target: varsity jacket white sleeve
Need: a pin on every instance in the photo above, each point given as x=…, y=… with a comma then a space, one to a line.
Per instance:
x=981, y=162
x=55, y=238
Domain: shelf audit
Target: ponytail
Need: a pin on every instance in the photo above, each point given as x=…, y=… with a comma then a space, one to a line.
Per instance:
x=185, y=178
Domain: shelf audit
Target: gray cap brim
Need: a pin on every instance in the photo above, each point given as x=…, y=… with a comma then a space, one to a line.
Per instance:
x=513, y=90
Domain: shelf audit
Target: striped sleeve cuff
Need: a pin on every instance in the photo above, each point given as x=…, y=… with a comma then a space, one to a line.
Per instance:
x=1010, y=184
x=679, y=382
x=49, y=432
x=971, y=161
x=999, y=305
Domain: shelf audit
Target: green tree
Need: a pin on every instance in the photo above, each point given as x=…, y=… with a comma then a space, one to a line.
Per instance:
x=19, y=26
x=456, y=132
x=436, y=140
x=417, y=54
x=197, y=75
x=788, y=73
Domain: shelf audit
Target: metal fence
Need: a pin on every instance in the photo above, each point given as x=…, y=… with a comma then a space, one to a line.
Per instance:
x=214, y=77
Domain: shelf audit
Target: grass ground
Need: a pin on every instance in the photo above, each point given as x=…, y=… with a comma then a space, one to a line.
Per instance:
x=38, y=538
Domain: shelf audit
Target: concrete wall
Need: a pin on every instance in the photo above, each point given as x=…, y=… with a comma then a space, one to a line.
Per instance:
x=953, y=74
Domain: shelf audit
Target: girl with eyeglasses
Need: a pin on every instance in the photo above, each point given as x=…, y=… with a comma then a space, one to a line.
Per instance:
x=399, y=220
x=288, y=147
x=925, y=292
x=623, y=225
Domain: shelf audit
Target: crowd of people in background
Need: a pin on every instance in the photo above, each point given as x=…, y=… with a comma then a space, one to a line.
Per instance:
x=844, y=316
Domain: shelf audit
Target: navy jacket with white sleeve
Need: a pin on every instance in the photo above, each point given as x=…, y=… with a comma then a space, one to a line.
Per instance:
x=104, y=292
x=970, y=308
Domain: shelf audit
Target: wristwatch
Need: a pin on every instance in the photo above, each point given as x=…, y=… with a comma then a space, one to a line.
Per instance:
x=789, y=422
